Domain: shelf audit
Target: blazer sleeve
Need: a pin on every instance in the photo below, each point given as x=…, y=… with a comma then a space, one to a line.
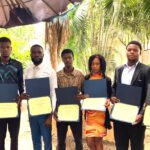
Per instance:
x=147, y=81
x=109, y=89
x=114, y=83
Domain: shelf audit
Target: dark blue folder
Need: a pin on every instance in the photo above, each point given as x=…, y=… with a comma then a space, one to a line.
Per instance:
x=66, y=95
x=8, y=92
x=95, y=88
x=129, y=94
x=37, y=87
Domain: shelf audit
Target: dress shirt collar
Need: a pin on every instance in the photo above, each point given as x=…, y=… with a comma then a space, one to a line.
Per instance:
x=40, y=66
x=133, y=66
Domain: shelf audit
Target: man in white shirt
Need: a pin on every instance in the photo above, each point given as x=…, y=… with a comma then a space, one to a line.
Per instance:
x=37, y=123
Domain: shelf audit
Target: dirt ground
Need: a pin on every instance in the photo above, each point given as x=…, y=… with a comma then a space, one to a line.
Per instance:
x=25, y=142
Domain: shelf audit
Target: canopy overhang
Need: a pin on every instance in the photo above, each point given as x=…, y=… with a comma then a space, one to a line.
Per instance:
x=22, y=12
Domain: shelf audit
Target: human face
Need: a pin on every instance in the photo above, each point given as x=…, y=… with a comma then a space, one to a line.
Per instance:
x=133, y=53
x=5, y=49
x=37, y=55
x=67, y=60
x=96, y=66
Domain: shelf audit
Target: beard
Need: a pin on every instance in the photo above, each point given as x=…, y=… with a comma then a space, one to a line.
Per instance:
x=6, y=56
x=37, y=62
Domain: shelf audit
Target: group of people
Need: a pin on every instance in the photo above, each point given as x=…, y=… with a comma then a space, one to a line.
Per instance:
x=96, y=122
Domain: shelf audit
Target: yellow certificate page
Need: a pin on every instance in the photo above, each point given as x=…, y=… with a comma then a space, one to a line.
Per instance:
x=124, y=112
x=146, y=120
x=68, y=113
x=94, y=104
x=39, y=106
x=8, y=110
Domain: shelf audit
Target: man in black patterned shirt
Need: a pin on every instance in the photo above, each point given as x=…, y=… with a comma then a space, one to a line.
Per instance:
x=11, y=71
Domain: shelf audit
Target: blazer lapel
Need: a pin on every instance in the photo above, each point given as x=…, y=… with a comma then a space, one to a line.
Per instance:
x=136, y=72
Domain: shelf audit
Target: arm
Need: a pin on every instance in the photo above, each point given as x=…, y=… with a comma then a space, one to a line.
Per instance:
x=114, y=86
x=109, y=89
x=53, y=85
x=139, y=117
x=82, y=84
x=20, y=79
x=147, y=81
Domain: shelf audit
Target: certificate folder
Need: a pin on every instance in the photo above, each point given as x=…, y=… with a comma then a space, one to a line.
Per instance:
x=94, y=104
x=128, y=107
x=95, y=88
x=68, y=113
x=129, y=94
x=68, y=106
x=37, y=87
x=39, y=92
x=97, y=92
x=39, y=106
x=146, y=120
x=8, y=97
x=8, y=92
x=67, y=95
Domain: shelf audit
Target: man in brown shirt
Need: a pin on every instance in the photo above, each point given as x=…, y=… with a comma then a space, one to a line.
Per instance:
x=69, y=77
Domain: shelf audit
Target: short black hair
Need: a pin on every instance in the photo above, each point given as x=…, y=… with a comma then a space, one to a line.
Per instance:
x=5, y=39
x=36, y=45
x=66, y=51
x=102, y=62
x=136, y=43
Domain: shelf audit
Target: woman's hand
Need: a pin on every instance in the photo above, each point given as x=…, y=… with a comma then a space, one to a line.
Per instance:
x=107, y=103
x=81, y=97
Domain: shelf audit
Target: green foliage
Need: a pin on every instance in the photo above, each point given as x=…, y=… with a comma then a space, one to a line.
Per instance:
x=89, y=26
x=20, y=38
x=105, y=27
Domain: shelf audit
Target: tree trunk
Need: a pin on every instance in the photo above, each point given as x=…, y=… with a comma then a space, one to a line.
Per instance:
x=57, y=34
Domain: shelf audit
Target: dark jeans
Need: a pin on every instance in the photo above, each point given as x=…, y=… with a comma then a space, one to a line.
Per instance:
x=13, y=127
x=76, y=128
x=125, y=132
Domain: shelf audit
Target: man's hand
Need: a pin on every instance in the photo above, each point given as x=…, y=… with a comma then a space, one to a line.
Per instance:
x=24, y=96
x=55, y=115
x=138, y=119
x=48, y=121
x=21, y=97
x=114, y=100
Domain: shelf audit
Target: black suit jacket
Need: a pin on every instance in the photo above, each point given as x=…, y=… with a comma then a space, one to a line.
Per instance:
x=141, y=78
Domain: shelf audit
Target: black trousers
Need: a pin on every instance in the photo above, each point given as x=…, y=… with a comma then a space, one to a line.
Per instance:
x=76, y=128
x=125, y=132
x=13, y=127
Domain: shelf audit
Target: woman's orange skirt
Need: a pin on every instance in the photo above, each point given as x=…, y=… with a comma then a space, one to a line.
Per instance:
x=94, y=125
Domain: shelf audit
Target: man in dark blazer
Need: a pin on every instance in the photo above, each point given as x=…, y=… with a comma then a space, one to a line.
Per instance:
x=137, y=74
